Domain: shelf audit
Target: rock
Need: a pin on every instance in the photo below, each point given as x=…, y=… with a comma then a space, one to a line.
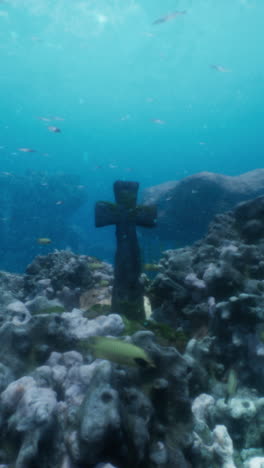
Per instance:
x=77, y=326
x=223, y=446
x=65, y=276
x=255, y=462
x=17, y=312
x=41, y=305
x=105, y=465
x=33, y=412
x=242, y=408
x=200, y=406
x=186, y=207
x=223, y=291
x=100, y=422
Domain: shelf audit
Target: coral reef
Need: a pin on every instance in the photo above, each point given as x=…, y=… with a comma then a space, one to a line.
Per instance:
x=200, y=405
x=60, y=407
x=213, y=291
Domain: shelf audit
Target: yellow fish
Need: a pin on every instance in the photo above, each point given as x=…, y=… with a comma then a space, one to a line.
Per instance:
x=119, y=351
x=44, y=240
x=151, y=267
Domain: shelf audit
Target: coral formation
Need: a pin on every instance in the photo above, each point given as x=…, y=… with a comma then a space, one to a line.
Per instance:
x=200, y=405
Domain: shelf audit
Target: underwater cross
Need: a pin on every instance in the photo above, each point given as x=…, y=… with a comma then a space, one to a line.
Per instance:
x=127, y=295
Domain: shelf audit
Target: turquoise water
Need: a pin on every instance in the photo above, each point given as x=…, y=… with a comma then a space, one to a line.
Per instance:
x=139, y=101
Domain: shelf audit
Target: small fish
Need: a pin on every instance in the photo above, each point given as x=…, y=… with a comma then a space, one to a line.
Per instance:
x=36, y=38
x=148, y=34
x=159, y=121
x=151, y=267
x=53, y=129
x=220, y=68
x=45, y=119
x=119, y=351
x=44, y=240
x=27, y=150
x=147, y=308
x=58, y=118
x=125, y=117
x=231, y=384
x=59, y=202
x=169, y=17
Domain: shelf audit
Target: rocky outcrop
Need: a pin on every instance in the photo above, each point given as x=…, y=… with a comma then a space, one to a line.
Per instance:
x=214, y=292
x=202, y=408
x=186, y=207
x=60, y=407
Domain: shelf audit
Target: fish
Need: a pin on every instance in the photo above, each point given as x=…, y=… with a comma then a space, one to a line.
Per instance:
x=220, y=68
x=56, y=117
x=147, y=308
x=231, y=384
x=27, y=150
x=125, y=117
x=159, y=121
x=53, y=129
x=45, y=119
x=44, y=240
x=169, y=17
x=151, y=267
x=119, y=352
x=36, y=38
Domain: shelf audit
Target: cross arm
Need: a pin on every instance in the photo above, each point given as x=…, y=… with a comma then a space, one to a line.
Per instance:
x=146, y=216
x=106, y=213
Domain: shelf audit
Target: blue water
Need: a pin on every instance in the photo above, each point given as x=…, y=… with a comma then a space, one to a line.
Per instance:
x=139, y=101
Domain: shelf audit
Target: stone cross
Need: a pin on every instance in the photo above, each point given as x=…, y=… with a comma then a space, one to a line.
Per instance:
x=127, y=295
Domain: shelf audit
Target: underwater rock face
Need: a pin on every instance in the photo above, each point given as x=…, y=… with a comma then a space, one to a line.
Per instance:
x=186, y=207
x=87, y=412
x=65, y=276
x=222, y=277
x=241, y=418
x=32, y=411
x=63, y=408
x=60, y=407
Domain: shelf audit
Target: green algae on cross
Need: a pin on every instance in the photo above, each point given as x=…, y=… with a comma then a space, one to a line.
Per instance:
x=127, y=295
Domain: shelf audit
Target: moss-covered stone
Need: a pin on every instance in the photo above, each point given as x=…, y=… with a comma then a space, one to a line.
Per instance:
x=165, y=334
x=96, y=266
x=52, y=310
x=97, y=309
x=103, y=284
